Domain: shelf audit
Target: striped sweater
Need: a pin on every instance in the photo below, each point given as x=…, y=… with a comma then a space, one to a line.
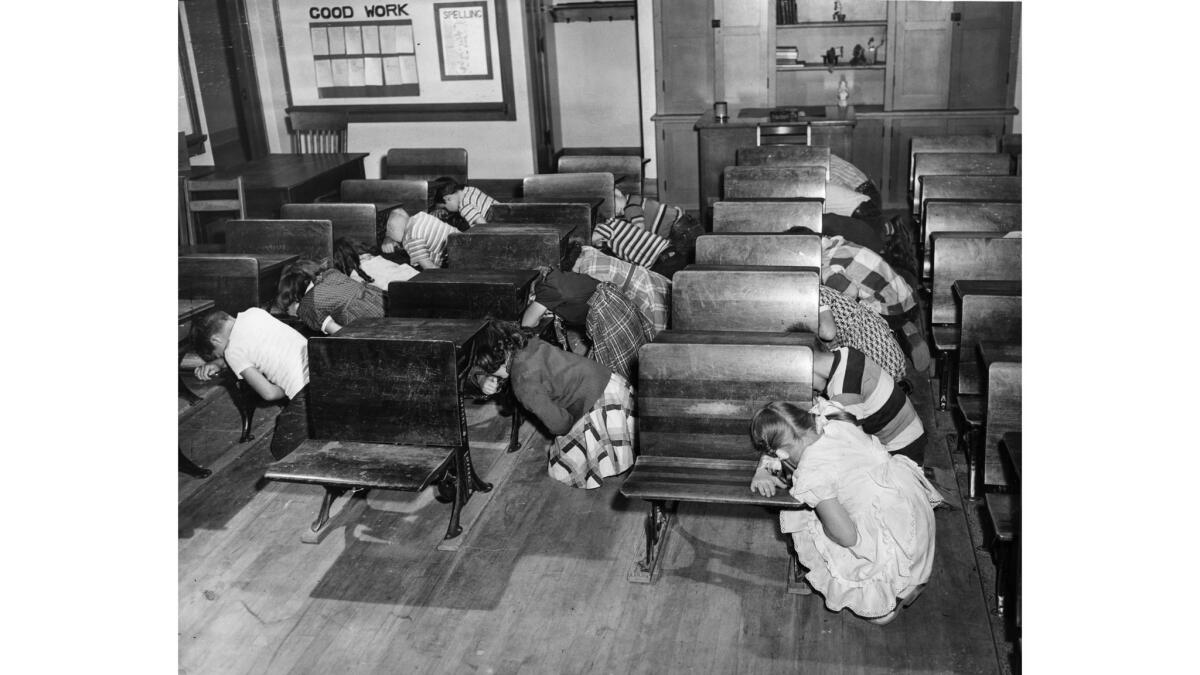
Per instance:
x=475, y=205
x=870, y=394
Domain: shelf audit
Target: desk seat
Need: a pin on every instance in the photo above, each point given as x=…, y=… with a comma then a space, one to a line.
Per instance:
x=363, y=465
x=694, y=479
x=945, y=338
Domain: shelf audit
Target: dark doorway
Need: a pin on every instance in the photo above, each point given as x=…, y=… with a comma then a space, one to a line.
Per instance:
x=220, y=41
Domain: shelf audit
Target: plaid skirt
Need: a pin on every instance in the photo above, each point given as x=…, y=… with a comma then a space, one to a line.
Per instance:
x=601, y=442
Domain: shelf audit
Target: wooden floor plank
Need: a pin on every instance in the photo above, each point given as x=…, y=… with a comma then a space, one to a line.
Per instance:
x=539, y=586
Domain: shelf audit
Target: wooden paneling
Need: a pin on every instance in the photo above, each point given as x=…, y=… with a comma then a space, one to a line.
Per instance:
x=684, y=50
x=982, y=54
x=919, y=57
x=678, y=171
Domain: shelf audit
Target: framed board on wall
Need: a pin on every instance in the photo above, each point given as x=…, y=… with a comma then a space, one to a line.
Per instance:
x=399, y=62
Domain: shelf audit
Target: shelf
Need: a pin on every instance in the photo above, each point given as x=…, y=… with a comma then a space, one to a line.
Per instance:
x=597, y=11
x=822, y=66
x=833, y=24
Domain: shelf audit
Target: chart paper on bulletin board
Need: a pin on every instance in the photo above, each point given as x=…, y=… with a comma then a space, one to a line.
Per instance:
x=420, y=57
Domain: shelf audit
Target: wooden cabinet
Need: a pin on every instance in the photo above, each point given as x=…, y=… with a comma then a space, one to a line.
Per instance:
x=743, y=63
x=983, y=54
x=920, y=55
x=678, y=164
x=683, y=53
x=812, y=32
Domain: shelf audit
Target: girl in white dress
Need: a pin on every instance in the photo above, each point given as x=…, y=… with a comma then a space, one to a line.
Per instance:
x=868, y=541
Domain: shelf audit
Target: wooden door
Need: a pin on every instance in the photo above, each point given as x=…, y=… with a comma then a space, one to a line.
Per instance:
x=539, y=31
x=982, y=53
x=218, y=32
x=741, y=41
x=919, y=58
x=684, y=53
x=678, y=163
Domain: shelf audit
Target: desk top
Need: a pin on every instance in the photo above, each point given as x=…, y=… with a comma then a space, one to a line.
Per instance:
x=592, y=202
x=996, y=352
x=267, y=262
x=284, y=170
x=190, y=308
x=473, y=276
x=978, y=287
x=458, y=331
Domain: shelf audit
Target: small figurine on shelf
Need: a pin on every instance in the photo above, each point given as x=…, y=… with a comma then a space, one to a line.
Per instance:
x=843, y=94
x=837, y=12
x=858, y=57
x=871, y=47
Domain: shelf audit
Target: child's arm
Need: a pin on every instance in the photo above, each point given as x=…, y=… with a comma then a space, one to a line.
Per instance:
x=262, y=386
x=826, y=328
x=837, y=523
x=533, y=314
x=206, y=371
x=765, y=482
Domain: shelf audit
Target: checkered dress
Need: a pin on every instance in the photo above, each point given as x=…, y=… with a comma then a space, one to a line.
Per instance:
x=601, y=443
x=860, y=274
x=616, y=330
x=336, y=295
x=864, y=330
x=649, y=291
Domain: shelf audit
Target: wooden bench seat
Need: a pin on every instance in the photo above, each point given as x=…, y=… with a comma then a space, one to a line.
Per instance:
x=698, y=479
x=576, y=216
x=968, y=256
x=412, y=195
x=966, y=189
x=774, y=182
x=760, y=216
x=745, y=298
x=311, y=239
x=696, y=396
x=788, y=250
x=785, y=155
x=586, y=186
x=957, y=164
x=462, y=294
x=502, y=246
x=947, y=337
x=385, y=406
x=951, y=144
x=359, y=222
x=940, y=216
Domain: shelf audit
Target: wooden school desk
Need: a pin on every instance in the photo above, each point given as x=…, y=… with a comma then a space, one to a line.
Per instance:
x=277, y=179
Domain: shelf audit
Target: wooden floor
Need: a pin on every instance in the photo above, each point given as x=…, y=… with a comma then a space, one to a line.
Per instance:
x=538, y=583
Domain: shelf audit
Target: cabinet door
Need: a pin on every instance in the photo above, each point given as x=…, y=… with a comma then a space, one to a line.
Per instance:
x=678, y=164
x=741, y=44
x=981, y=53
x=920, y=57
x=685, y=55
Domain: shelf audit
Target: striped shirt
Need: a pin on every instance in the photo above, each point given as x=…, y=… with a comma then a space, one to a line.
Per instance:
x=475, y=205
x=870, y=394
x=661, y=217
x=273, y=348
x=861, y=275
x=649, y=291
x=425, y=238
x=629, y=242
x=846, y=174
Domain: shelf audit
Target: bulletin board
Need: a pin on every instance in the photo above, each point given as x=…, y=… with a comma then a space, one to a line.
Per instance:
x=425, y=60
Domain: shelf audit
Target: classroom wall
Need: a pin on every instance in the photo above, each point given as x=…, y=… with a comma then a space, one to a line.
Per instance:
x=597, y=83
x=495, y=149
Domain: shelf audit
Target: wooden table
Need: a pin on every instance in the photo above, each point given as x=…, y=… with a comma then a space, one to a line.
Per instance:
x=272, y=181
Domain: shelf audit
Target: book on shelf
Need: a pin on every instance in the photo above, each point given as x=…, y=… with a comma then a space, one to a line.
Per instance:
x=785, y=12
